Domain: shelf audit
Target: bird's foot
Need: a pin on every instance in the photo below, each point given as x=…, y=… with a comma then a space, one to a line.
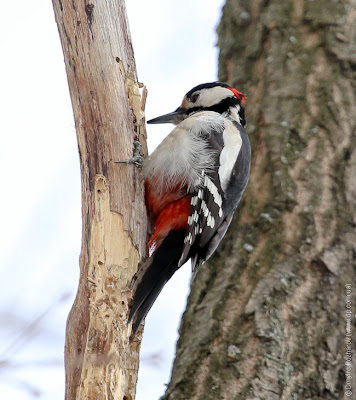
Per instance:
x=137, y=156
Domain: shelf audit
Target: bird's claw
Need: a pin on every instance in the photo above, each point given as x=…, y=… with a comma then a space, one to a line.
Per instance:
x=137, y=156
x=137, y=160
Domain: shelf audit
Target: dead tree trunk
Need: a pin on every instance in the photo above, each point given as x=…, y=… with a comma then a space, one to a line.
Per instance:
x=100, y=361
x=266, y=318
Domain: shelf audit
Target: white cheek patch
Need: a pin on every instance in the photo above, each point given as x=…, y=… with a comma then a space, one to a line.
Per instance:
x=229, y=153
x=212, y=96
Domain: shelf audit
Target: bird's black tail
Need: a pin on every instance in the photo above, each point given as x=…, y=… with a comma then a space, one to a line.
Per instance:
x=159, y=269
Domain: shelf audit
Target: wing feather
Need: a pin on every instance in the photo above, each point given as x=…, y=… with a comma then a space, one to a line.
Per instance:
x=206, y=206
x=213, y=202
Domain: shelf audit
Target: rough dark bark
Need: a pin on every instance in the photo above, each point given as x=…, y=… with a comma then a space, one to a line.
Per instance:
x=266, y=316
x=100, y=361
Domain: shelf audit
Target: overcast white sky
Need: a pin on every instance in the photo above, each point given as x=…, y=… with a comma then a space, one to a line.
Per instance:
x=174, y=45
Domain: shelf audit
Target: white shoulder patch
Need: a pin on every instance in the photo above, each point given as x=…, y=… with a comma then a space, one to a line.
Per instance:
x=230, y=152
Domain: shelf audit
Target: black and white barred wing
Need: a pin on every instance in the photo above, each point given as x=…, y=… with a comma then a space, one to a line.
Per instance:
x=216, y=196
x=206, y=213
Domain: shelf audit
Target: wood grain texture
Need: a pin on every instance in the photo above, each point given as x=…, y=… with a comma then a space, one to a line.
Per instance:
x=266, y=315
x=100, y=361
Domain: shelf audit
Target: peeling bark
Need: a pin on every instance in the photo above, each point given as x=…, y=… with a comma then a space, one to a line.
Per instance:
x=100, y=361
x=266, y=315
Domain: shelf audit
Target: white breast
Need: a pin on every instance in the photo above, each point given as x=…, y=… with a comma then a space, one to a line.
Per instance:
x=182, y=155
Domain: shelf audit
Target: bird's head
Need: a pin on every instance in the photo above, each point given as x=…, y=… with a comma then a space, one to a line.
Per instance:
x=215, y=96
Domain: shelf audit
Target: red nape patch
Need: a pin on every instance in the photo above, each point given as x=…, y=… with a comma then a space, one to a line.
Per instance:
x=239, y=95
x=173, y=217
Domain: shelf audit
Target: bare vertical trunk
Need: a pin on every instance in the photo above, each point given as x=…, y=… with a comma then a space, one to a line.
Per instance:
x=266, y=316
x=100, y=361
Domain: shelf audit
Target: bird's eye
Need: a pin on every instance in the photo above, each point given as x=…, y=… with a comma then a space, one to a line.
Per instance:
x=194, y=97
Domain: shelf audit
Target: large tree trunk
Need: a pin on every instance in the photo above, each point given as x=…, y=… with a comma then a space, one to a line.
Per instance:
x=267, y=316
x=100, y=361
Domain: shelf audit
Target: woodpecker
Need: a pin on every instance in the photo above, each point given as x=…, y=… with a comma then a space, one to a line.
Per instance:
x=194, y=181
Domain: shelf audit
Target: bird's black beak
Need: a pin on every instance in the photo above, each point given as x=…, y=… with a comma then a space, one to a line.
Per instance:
x=174, y=117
